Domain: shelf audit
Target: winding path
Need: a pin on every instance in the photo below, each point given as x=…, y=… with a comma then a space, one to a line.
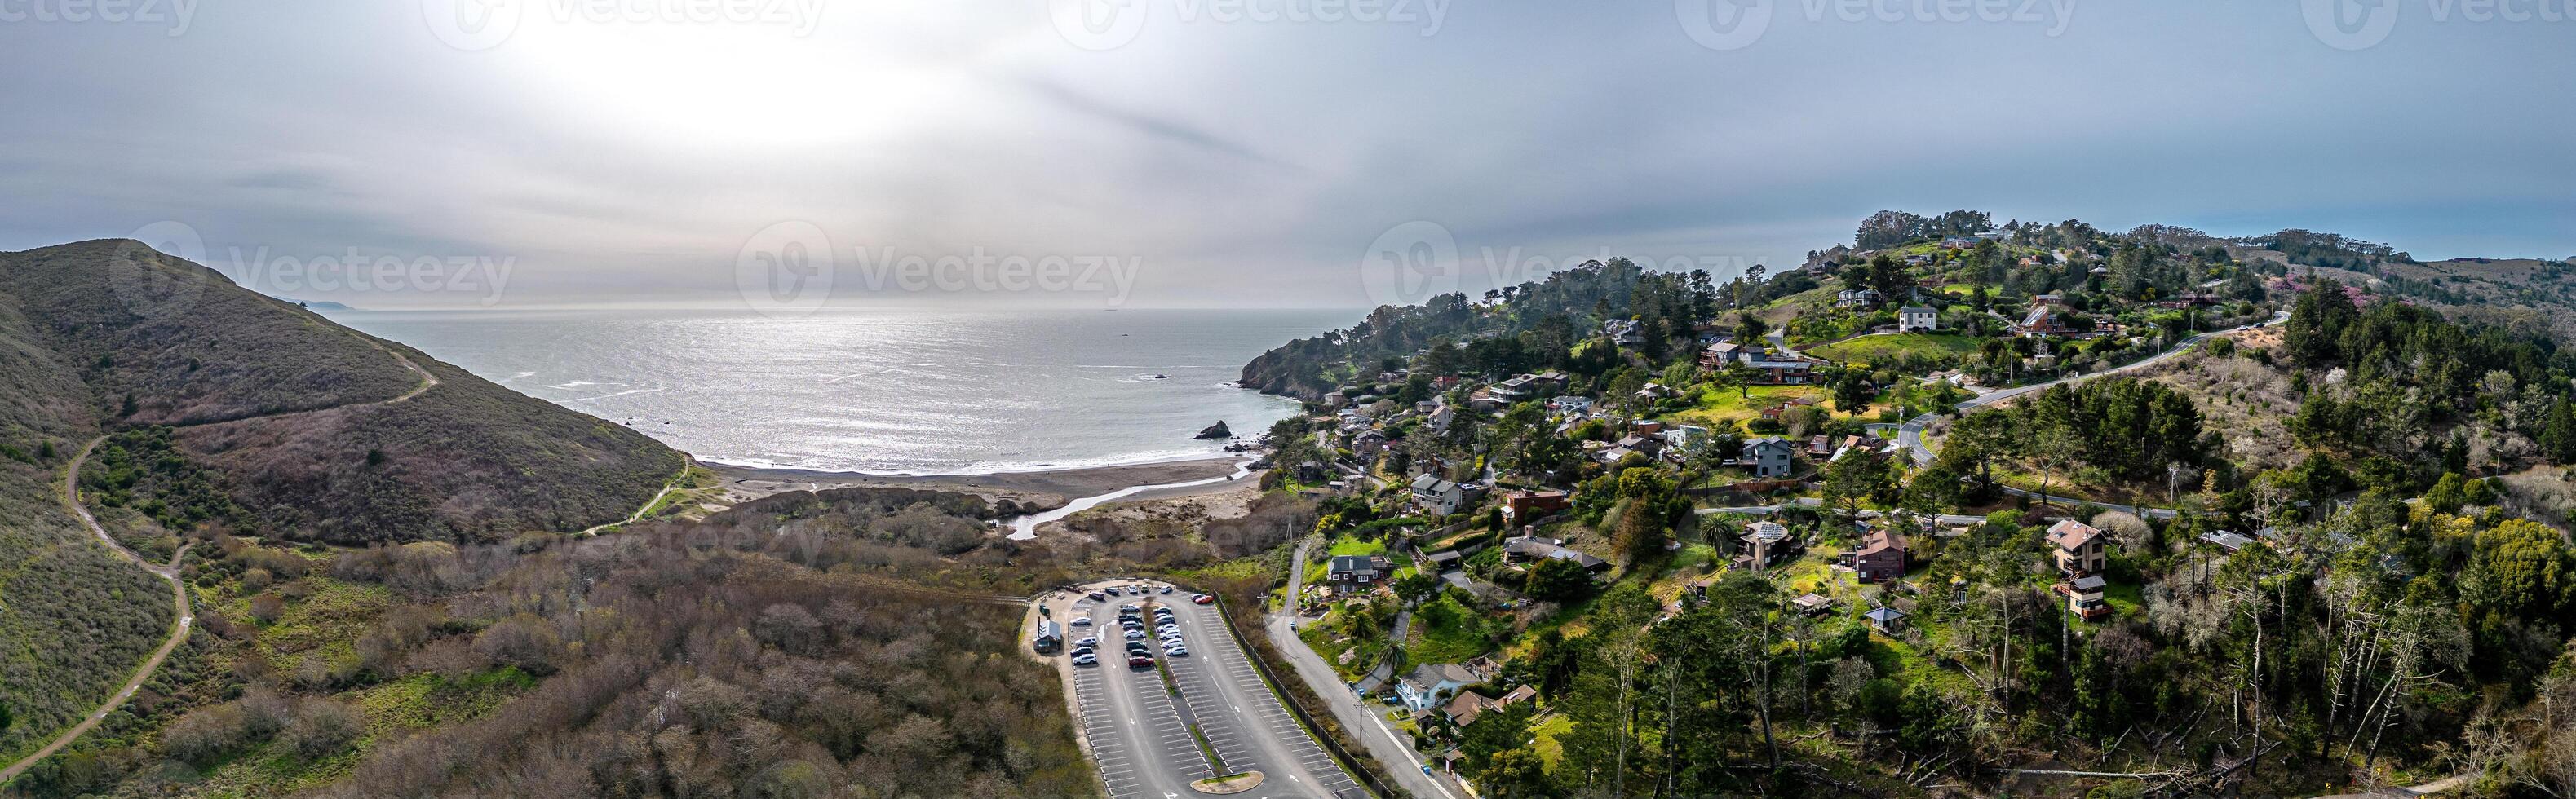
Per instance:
x=1910, y=434
x=186, y=618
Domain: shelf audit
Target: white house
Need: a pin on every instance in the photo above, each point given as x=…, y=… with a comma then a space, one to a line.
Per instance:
x=1439, y=496
x=1913, y=318
x=1770, y=456
x=1421, y=688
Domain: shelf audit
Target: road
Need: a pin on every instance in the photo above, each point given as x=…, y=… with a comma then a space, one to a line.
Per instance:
x=1910, y=434
x=1138, y=729
x=1383, y=742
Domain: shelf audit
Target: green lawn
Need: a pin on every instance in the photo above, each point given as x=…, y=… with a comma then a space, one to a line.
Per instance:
x=1353, y=546
x=1889, y=347
x=1446, y=632
x=1720, y=406
x=1546, y=732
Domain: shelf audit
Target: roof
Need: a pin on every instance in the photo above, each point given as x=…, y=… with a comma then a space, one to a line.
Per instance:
x=2230, y=541
x=1430, y=675
x=1884, y=615
x=2071, y=534
x=1444, y=556
x=1353, y=563
x=1766, y=532
x=1811, y=600
x=2090, y=582
x=1769, y=441
x=1913, y=309
x=1880, y=541
x=2038, y=314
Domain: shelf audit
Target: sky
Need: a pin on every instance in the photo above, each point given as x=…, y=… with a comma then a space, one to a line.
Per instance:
x=790, y=155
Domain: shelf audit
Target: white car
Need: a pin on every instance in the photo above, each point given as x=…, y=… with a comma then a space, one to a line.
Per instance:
x=1135, y=634
x=1176, y=651
x=1084, y=621
x=1086, y=659
x=1087, y=641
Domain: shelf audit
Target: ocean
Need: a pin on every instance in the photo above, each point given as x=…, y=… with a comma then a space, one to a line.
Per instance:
x=884, y=392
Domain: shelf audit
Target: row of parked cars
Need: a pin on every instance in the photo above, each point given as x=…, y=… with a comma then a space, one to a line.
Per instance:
x=1166, y=628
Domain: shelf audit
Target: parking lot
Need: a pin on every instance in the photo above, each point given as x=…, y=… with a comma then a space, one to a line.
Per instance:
x=1140, y=734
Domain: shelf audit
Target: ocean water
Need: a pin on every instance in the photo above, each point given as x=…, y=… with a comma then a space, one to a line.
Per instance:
x=918, y=392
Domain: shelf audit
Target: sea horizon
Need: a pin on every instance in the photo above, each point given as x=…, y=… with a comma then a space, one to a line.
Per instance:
x=882, y=392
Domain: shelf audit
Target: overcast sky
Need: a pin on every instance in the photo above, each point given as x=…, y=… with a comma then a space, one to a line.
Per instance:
x=1189, y=153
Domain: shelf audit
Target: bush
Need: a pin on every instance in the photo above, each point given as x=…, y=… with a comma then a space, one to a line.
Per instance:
x=322, y=728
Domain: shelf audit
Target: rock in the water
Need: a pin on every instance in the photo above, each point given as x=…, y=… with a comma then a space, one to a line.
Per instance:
x=1216, y=431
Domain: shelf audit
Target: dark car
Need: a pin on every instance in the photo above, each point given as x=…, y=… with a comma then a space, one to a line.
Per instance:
x=1140, y=662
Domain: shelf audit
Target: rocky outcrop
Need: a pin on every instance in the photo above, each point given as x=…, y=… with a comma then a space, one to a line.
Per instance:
x=1217, y=430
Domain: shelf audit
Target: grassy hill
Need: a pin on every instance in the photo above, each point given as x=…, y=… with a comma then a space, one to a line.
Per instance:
x=192, y=371
x=1882, y=349
x=290, y=413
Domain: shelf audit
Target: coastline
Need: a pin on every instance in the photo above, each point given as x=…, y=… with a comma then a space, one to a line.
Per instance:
x=1046, y=488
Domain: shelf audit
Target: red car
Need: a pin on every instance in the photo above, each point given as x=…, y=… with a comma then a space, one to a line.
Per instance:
x=1203, y=599
x=1140, y=662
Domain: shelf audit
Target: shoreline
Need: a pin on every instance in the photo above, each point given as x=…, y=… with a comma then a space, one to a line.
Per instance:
x=1043, y=488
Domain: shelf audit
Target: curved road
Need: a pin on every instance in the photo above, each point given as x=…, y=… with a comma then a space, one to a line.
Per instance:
x=1910, y=434
x=1383, y=741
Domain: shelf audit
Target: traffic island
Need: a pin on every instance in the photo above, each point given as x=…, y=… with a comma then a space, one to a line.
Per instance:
x=1228, y=784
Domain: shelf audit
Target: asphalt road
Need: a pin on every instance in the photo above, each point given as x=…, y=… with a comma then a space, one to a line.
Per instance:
x=1138, y=729
x=1382, y=741
x=1910, y=434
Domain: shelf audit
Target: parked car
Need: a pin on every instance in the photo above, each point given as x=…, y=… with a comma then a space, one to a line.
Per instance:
x=1202, y=599
x=1087, y=642
x=1082, y=621
x=1135, y=634
x=1140, y=661
x=1096, y=596
x=1086, y=659
x=1167, y=589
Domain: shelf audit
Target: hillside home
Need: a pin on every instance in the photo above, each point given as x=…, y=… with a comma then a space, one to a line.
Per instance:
x=2084, y=596
x=1766, y=545
x=1855, y=298
x=1530, y=549
x=1624, y=331
x=1436, y=496
x=2077, y=548
x=1368, y=442
x=1722, y=354
x=1881, y=556
x=2041, y=321
x=1356, y=569
x=1523, y=507
x=1917, y=319
x=1770, y=456
x=1422, y=688
x=1887, y=621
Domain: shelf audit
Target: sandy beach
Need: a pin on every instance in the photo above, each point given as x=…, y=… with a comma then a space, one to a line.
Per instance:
x=1045, y=489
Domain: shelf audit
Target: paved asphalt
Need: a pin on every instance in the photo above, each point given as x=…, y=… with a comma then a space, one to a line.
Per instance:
x=1910, y=434
x=1382, y=741
x=1137, y=727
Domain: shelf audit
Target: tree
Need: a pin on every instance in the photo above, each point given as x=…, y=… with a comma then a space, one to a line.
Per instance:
x=1416, y=586
x=1559, y=580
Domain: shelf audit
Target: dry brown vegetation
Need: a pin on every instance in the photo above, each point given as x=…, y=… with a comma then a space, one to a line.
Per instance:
x=2248, y=401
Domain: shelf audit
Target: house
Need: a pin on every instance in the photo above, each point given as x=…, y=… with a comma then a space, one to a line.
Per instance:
x=1819, y=446
x=1368, y=442
x=1654, y=391
x=1723, y=354
x=1529, y=549
x=1444, y=382
x=1570, y=404
x=1770, y=456
x=1434, y=495
x=1445, y=560
x=2084, y=596
x=1887, y=621
x=1916, y=318
x=1469, y=705
x=1783, y=370
x=1522, y=507
x=1766, y=545
x=1439, y=420
x=1357, y=569
x=1421, y=688
x=1624, y=331
x=1881, y=556
x=2079, y=548
x=1811, y=604
x=1855, y=298
x=2041, y=321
